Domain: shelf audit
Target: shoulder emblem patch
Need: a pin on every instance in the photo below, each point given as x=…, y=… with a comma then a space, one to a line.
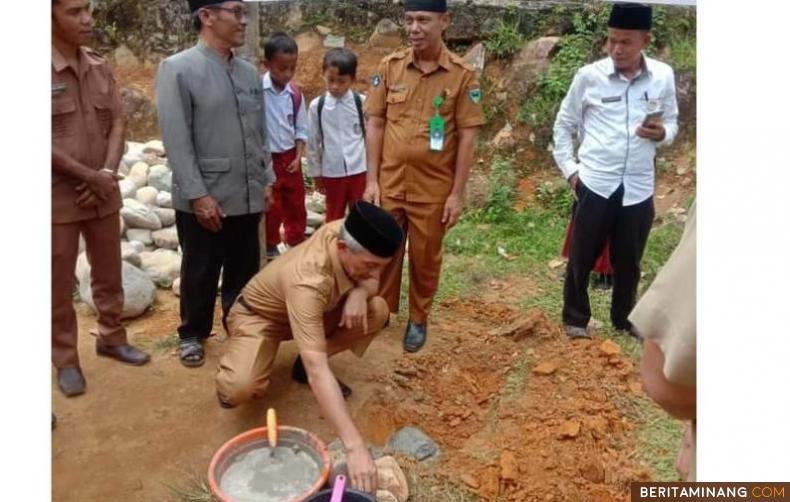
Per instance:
x=476, y=96
x=375, y=80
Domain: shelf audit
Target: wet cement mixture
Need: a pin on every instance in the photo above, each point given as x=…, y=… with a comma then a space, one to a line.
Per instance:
x=265, y=474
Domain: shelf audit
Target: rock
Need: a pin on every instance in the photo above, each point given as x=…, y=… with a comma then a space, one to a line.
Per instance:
x=177, y=286
x=545, y=368
x=130, y=254
x=593, y=470
x=635, y=387
x=470, y=481
x=609, y=348
x=387, y=35
x=166, y=216
x=164, y=199
x=139, y=291
x=156, y=147
x=316, y=202
x=153, y=159
x=528, y=65
x=163, y=266
x=598, y=426
x=464, y=28
x=133, y=154
x=534, y=324
x=139, y=174
x=391, y=478
x=385, y=496
x=508, y=466
x=124, y=57
x=569, y=430
x=332, y=41
x=83, y=267
x=504, y=138
x=413, y=442
x=139, y=113
x=141, y=235
x=489, y=483
x=295, y=17
x=128, y=188
x=146, y=195
x=314, y=219
x=161, y=178
x=476, y=58
x=138, y=215
x=167, y=238
x=323, y=30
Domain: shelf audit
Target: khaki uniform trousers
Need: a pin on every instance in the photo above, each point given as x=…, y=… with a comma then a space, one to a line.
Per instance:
x=103, y=247
x=422, y=225
x=245, y=369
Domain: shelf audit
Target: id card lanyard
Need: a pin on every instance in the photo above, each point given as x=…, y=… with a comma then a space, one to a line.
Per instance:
x=436, y=126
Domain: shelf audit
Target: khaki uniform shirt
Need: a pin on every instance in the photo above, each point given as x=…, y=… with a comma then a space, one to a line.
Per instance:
x=667, y=313
x=298, y=288
x=85, y=102
x=403, y=95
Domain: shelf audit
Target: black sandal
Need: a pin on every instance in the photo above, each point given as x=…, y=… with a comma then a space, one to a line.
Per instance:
x=190, y=351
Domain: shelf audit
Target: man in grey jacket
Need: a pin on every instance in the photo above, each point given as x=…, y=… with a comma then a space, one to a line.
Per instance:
x=211, y=117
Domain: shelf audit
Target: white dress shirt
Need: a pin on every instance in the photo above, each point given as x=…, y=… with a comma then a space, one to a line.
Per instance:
x=343, y=150
x=604, y=109
x=282, y=131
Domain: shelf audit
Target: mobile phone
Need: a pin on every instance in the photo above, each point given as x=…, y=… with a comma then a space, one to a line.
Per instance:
x=652, y=115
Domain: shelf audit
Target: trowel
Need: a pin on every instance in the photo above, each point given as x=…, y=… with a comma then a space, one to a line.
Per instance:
x=271, y=430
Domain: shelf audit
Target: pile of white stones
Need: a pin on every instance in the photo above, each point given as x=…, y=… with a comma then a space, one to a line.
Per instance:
x=149, y=240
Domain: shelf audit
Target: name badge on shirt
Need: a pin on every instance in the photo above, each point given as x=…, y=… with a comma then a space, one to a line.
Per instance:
x=59, y=87
x=611, y=99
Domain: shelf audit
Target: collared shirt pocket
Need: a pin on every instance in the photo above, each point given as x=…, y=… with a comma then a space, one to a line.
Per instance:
x=104, y=112
x=396, y=105
x=64, y=116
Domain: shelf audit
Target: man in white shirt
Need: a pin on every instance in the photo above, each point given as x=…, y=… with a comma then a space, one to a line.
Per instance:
x=621, y=108
x=336, y=139
x=286, y=130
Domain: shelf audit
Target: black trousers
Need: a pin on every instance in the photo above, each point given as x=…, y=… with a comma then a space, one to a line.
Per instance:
x=595, y=219
x=235, y=250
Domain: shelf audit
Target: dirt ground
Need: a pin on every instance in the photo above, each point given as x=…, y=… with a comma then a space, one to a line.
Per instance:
x=138, y=430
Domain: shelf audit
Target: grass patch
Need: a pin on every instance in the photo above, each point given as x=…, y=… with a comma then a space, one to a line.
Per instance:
x=658, y=437
x=505, y=40
x=193, y=489
x=166, y=343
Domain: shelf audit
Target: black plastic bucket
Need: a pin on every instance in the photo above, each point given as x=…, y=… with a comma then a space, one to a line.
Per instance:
x=349, y=496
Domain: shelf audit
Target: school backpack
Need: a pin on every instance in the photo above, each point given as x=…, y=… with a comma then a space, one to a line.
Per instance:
x=357, y=101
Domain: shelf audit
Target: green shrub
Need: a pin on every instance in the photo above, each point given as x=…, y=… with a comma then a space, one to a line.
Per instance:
x=505, y=41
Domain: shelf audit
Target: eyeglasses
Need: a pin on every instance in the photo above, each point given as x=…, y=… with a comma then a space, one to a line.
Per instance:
x=239, y=12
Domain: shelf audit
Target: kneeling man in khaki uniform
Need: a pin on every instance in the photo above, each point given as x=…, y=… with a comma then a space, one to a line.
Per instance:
x=324, y=295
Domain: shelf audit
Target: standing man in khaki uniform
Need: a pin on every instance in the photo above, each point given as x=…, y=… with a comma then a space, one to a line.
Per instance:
x=324, y=295
x=87, y=145
x=424, y=112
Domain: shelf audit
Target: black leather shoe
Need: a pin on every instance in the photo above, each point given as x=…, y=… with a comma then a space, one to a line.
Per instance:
x=299, y=374
x=124, y=353
x=71, y=382
x=415, y=336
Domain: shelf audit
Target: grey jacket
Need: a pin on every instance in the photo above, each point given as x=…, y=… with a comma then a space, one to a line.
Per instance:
x=211, y=116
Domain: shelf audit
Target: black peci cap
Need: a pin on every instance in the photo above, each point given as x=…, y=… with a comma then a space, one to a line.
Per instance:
x=374, y=228
x=631, y=16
